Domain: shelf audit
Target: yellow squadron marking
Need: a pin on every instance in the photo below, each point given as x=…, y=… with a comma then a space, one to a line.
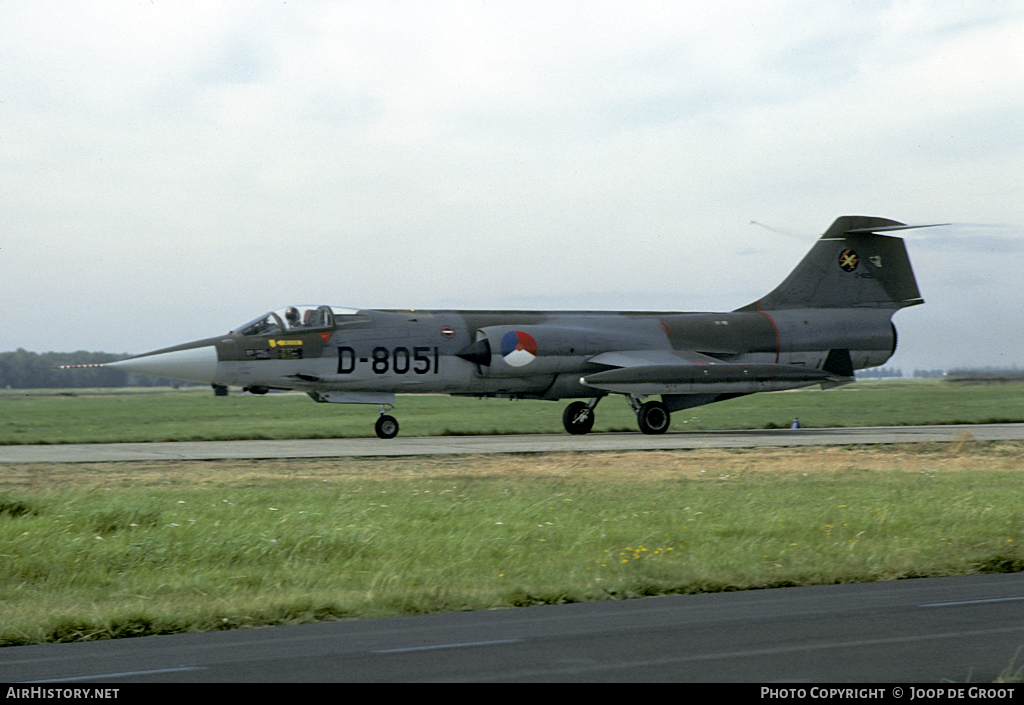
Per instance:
x=848, y=260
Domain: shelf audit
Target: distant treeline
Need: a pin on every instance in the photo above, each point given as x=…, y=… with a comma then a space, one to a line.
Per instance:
x=879, y=373
x=22, y=369
x=978, y=374
x=890, y=372
x=986, y=374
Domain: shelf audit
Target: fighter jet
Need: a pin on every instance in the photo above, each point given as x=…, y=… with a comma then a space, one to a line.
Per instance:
x=831, y=316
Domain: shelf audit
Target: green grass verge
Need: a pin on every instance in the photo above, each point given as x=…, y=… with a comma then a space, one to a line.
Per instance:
x=195, y=414
x=315, y=540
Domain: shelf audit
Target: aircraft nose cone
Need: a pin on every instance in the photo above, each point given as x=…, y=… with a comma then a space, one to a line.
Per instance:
x=196, y=364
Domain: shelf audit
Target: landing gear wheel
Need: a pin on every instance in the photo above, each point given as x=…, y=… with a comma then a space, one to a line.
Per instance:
x=386, y=427
x=653, y=418
x=578, y=418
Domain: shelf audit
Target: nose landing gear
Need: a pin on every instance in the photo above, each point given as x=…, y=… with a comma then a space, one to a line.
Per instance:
x=386, y=426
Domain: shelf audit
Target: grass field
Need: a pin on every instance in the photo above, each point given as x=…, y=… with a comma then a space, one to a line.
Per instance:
x=195, y=414
x=124, y=549
x=107, y=550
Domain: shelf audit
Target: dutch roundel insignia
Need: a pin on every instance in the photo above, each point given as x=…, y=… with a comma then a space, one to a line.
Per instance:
x=848, y=260
x=518, y=348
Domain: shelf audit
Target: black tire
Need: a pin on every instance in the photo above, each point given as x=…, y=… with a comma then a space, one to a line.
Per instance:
x=578, y=419
x=654, y=418
x=386, y=427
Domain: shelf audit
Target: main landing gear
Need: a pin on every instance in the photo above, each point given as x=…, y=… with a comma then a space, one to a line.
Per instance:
x=653, y=417
x=578, y=417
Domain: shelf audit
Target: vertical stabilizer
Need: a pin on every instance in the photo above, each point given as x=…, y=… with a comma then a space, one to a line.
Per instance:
x=851, y=266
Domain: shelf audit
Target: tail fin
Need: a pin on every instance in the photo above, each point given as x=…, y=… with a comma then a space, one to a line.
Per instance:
x=851, y=266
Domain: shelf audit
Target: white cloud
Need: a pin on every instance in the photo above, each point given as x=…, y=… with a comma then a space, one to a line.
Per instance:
x=234, y=157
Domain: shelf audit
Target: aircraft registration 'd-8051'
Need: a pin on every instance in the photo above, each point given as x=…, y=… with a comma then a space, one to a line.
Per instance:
x=831, y=316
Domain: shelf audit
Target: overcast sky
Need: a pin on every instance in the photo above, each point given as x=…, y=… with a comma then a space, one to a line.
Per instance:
x=170, y=170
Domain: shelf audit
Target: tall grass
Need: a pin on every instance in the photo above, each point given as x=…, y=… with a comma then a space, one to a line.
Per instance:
x=99, y=562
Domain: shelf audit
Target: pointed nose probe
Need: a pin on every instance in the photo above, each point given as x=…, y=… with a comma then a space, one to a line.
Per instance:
x=193, y=364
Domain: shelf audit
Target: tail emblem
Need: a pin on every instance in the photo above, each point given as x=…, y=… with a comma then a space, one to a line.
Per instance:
x=848, y=260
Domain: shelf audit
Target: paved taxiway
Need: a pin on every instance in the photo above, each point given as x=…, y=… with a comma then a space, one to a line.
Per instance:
x=458, y=445
x=907, y=631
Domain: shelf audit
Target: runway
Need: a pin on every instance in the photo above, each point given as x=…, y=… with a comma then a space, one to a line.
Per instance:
x=908, y=631
x=462, y=445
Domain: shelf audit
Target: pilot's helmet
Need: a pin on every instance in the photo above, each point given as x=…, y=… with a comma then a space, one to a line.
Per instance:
x=292, y=314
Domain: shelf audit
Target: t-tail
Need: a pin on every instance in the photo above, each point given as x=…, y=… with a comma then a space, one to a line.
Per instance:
x=853, y=265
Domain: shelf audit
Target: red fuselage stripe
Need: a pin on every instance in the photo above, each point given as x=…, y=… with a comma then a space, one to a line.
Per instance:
x=778, y=344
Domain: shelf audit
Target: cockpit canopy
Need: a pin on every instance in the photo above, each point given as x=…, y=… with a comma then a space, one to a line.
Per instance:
x=294, y=318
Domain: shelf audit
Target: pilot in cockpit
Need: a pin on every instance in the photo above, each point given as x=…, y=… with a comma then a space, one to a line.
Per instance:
x=292, y=316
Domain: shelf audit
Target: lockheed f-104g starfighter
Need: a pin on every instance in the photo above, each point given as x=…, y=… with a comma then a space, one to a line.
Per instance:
x=831, y=316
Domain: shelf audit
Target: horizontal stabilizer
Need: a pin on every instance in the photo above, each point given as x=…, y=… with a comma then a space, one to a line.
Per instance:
x=895, y=227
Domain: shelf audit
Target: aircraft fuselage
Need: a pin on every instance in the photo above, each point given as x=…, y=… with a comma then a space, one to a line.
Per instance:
x=829, y=317
x=370, y=351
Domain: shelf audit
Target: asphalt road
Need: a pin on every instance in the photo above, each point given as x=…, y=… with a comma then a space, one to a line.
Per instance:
x=446, y=445
x=909, y=631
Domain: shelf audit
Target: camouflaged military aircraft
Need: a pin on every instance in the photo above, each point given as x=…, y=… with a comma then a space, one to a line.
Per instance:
x=831, y=316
